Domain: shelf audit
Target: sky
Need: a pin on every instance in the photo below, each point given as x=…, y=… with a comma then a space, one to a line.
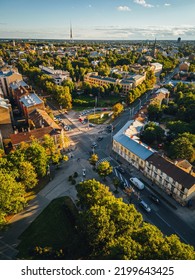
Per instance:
x=98, y=19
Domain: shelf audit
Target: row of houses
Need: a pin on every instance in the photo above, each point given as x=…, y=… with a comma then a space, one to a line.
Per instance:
x=165, y=174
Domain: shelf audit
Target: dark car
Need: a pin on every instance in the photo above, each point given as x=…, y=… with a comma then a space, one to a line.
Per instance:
x=120, y=169
x=154, y=198
x=100, y=138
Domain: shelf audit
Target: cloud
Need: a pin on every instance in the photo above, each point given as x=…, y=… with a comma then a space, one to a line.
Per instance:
x=148, y=32
x=89, y=6
x=143, y=3
x=167, y=5
x=123, y=8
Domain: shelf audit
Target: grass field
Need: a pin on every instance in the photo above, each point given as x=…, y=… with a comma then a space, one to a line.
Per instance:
x=53, y=228
x=96, y=118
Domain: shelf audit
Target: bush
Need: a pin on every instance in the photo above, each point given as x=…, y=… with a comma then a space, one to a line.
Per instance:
x=75, y=175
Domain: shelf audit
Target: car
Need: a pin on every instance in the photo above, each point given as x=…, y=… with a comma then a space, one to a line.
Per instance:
x=145, y=206
x=91, y=125
x=120, y=169
x=84, y=172
x=94, y=145
x=100, y=138
x=154, y=198
x=136, y=182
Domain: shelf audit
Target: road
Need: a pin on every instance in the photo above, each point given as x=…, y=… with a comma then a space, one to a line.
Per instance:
x=162, y=215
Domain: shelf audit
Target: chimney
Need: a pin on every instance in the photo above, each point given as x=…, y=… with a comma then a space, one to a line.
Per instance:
x=148, y=148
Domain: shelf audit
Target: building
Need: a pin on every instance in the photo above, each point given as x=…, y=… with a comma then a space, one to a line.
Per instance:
x=58, y=76
x=29, y=103
x=39, y=133
x=6, y=118
x=18, y=89
x=126, y=144
x=127, y=84
x=6, y=78
x=184, y=66
x=173, y=180
x=39, y=118
x=157, y=68
x=166, y=175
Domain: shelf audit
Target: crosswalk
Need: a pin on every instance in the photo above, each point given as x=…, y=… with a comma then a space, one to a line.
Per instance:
x=104, y=159
x=120, y=177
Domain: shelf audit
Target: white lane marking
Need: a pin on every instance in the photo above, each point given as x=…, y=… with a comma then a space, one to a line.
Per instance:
x=163, y=220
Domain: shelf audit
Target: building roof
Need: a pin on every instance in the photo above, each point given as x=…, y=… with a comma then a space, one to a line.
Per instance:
x=30, y=100
x=16, y=85
x=41, y=118
x=137, y=148
x=178, y=175
x=39, y=133
x=163, y=90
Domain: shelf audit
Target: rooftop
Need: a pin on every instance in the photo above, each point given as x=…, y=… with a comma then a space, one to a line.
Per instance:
x=30, y=100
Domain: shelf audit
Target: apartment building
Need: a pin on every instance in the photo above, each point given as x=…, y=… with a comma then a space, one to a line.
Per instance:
x=166, y=175
x=170, y=178
x=94, y=79
x=157, y=68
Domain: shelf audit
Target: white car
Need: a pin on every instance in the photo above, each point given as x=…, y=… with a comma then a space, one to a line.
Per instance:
x=145, y=206
x=84, y=172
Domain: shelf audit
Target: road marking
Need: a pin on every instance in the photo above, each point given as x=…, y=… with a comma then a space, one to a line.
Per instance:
x=163, y=220
x=181, y=237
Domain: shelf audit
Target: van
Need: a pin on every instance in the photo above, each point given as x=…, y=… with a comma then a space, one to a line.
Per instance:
x=145, y=206
x=137, y=183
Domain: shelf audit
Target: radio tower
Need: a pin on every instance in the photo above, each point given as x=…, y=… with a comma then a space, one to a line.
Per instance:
x=71, y=32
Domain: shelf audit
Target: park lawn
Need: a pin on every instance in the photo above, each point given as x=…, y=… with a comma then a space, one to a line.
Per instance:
x=53, y=228
x=96, y=118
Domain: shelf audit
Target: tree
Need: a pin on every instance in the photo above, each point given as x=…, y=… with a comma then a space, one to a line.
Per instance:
x=64, y=97
x=93, y=159
x=182, y=148
x=11, y=194
x=113, y=229
x=27, y=175
x=37, y=155
x=51, y=149
x=104, y=168
x=117, y=109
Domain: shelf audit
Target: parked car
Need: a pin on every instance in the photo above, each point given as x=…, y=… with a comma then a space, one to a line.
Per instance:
x=136, y=182
x=145, y=206
x=154, y=198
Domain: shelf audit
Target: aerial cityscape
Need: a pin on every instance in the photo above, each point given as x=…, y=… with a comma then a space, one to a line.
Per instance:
x=97, y=130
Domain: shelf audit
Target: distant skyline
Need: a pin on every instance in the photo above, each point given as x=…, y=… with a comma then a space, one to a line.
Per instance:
x=98, y=19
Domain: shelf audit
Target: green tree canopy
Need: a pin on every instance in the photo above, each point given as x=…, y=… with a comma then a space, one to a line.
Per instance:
x=104, y=168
